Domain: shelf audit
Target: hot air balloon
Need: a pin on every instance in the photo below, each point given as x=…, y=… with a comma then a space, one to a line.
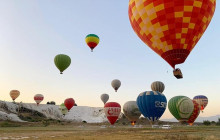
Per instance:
x=62, y=62
x=152, y=105
x=171, y=28
x=63, y=109
x=112, y=111
x=131, y=111
x=195, y=113
x=38, y=98
x=92, y=41
x=202, y=101
x=181, y=107
x=116, y=84
x=69, y=103
x=104, y=98
x=158, y=86
x=14, y=94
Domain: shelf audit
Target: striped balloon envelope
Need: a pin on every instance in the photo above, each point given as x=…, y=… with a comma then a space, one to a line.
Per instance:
x=158, y=86
x=112, y=111
x=14, y=94
x=171, y=28
x=152, y=104
x=195, y=113
x=181, y=107
x=92, y=41
x=202, y=101
x=38, y=98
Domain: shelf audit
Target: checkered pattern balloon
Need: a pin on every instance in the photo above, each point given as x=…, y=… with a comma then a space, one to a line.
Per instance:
x=171, y=27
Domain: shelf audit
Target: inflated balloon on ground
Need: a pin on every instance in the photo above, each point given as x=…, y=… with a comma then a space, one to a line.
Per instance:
x=202, y=101
x=62, y=62
x=131, y=111
x=152, y=105
x=181, y=107
x=112, y=111
x=195, y=113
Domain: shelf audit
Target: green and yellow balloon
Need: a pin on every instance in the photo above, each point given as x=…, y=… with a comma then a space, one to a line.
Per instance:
x=92, y=40
x=62, y=62
x=181, y=107
x=63, y=109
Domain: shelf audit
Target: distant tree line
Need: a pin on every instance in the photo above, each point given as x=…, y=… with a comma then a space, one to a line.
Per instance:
x=207, y=122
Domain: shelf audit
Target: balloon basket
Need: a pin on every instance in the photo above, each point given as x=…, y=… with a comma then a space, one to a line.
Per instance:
x=177, y=73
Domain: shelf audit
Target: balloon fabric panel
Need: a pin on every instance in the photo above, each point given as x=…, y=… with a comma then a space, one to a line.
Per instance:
x=92, y=40
x=171, y=27
x=152, y=104
x=62, y=62
x=195, y=113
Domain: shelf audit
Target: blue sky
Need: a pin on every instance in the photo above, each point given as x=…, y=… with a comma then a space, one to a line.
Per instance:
x=33, y=32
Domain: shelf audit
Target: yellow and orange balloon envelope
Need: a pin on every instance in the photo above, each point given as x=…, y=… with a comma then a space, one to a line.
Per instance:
x=14, y=94
x=171, y=27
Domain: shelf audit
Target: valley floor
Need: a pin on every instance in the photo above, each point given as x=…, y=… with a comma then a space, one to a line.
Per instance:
x=106, y=132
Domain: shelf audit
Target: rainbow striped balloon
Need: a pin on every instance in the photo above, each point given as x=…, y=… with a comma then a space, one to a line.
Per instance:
x=92, y=41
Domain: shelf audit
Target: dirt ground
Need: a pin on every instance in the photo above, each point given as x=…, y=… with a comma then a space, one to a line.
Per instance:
x=107, y=132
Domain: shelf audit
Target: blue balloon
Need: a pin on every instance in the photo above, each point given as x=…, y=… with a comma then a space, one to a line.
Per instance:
x=152, y=104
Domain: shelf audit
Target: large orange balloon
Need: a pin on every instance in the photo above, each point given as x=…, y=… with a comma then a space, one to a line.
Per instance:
x=171, y=27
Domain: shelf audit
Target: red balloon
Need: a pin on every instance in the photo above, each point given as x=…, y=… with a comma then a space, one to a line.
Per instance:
x=38, y=98
x=112, y=111
x=69, y=103
x=195, y=113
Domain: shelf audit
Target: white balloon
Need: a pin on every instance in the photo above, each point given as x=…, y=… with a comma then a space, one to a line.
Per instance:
x=116, y=84
x=131, y=111
x=104, y=98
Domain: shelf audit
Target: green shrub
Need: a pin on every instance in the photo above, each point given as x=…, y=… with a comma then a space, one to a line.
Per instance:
x=206, y=122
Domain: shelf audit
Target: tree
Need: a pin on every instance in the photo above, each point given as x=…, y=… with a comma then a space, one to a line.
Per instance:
x=206, y=122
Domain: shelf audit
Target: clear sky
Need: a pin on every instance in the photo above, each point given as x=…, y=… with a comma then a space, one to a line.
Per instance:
x=33, y=32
